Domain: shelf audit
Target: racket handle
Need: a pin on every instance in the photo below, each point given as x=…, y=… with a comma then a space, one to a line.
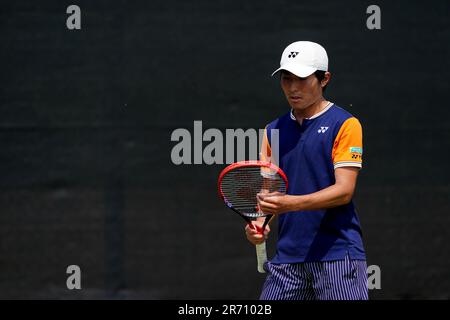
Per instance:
x=261, y=255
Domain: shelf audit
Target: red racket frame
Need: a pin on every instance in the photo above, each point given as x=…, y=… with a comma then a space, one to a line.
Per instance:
x=249, y=163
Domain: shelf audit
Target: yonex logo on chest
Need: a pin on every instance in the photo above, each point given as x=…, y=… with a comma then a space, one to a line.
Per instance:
x=322, y=129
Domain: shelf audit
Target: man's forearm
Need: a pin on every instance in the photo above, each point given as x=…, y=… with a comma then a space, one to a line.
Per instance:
x=330, y=197
x=335, y=195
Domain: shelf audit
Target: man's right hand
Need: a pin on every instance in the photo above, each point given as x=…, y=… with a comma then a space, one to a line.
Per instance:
x=253, y=235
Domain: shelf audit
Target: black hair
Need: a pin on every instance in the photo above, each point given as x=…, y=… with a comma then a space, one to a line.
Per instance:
x=320, y=75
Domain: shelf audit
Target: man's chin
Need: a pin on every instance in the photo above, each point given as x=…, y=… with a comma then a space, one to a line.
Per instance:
x=298, y=107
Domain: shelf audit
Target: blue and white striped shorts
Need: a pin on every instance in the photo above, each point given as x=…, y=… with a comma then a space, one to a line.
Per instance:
x=328, y=280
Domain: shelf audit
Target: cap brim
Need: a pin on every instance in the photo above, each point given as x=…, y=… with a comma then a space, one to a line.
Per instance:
x=299, y=71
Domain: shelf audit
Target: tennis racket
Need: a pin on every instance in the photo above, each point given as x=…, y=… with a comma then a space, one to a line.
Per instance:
x=238, y=186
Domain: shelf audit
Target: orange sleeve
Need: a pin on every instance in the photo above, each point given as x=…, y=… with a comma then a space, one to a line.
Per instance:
x=348, y=147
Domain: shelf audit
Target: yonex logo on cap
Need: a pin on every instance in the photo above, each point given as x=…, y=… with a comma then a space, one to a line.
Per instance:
x=293, y=54
x=322, y=129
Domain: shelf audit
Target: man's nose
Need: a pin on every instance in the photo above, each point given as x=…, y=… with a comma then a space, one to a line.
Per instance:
x=295, y=85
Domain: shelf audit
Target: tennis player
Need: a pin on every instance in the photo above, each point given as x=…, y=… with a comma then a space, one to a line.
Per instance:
x=320, y=253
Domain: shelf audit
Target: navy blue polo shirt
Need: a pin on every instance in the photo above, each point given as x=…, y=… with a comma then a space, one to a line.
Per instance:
x=308, y=154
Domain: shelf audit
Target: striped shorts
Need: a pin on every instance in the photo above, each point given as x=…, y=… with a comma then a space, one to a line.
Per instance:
x=329, y=280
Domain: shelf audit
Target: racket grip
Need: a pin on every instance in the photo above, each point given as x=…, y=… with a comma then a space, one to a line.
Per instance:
x=261, y=255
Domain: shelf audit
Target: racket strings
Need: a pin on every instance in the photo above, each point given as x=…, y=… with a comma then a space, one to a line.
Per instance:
x=241, y=186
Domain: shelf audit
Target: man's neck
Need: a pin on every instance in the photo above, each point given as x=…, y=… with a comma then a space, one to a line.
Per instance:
x=313, y=109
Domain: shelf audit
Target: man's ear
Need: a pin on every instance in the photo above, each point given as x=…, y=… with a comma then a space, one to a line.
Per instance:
x=326, y=79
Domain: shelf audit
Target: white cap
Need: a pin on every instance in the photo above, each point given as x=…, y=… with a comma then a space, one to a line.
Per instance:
x=303, y=58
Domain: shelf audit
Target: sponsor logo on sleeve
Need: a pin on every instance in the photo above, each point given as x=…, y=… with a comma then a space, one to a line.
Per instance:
x=356, y=152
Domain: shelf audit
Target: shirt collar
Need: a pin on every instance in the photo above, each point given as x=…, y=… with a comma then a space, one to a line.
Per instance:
x=330, y=104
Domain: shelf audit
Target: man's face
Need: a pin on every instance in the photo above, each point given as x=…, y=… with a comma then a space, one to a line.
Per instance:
x=300, y=92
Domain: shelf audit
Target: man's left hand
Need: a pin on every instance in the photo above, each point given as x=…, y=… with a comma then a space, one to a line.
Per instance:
x=276, y=202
